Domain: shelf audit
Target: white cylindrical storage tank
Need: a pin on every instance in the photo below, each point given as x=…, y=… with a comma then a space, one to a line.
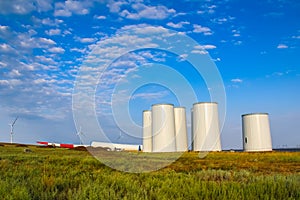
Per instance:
x=206, y=131
x=147, y=131
x=163, y=128
x=256, y=132
x=180, y=129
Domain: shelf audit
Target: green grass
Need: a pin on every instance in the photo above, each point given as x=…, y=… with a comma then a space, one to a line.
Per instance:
x=53, y=173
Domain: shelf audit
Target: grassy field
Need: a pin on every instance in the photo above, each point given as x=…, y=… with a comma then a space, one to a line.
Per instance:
x=53, y=173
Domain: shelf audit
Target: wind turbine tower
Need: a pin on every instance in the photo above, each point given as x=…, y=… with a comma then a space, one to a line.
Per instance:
x=12, y=129
x=79, y=134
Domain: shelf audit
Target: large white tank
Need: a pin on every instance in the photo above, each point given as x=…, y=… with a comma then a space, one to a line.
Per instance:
x=163, y=128
x=206, y=131
x=256, y=132
x=147, y=131
x=180, y=129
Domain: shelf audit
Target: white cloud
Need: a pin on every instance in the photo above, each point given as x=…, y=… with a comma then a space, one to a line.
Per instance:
x=4, y=82
x=182, y=57
x=14, y=73
x=79, y=50
x=5, y=48
x=236, y=80
x=147, y=12
x=69, y=7
x=87, y=40
x=239, y=42
x=56, y=50
x=78, y=7
x=153, y=56
x=178, y=25
x=24, y=42
x=180, y=14
x=100, y=17
x=202, y=29
x=17, y=7
x=115, y=6
x=206, y=46
x=2, y=64
x=44, y=59
x=236, y=33
x=32, y=32
x=53, y=32
x=67, y=32
x=43, y=81
x=50, y=22
x=279, y=74
x=62, y=13
x=3, y=28
x=207, y=9
x=145, y=29
x=296, y=37
x=282, y=46
x=216, y=59
x=29, y=67
x=220, y=20
x=24, y=7
x=47, y=41
x=10, y=82
x=200, y=12
x=44, y=5
x=151, y=95
x=201, y=52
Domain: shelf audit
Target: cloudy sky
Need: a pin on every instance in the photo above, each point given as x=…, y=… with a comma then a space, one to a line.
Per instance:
x=62, y=60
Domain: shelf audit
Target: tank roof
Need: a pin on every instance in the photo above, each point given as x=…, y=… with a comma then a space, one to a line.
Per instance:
x=166, y=104
x=205, y=103
x=255, y=114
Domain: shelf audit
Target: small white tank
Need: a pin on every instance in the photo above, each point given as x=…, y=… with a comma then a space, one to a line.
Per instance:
x=147, y=131
x=206, y=131
x=180, y=129
x=163, y=128
x=256, y=132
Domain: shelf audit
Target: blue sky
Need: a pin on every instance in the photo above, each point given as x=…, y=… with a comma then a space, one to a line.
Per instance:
x=46, y=47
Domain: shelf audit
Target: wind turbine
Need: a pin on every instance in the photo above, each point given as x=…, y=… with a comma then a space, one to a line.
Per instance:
x=79, y=134
x=12, y=129
x=120, y=135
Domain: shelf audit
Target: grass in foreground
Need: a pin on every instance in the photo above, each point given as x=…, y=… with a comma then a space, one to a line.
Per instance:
x=47, y=173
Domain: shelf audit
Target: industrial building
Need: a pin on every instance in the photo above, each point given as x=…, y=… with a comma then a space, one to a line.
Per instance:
x=116, y=146
x=256, y=132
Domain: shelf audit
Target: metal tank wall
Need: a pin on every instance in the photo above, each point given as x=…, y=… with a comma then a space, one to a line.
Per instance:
x=256, y=132
x=192, y=131
x=180, y=129
x=147, y=131
x=163, y=128
x=206, y=131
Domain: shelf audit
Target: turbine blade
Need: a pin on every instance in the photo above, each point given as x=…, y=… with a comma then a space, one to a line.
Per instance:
x=15, y=121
